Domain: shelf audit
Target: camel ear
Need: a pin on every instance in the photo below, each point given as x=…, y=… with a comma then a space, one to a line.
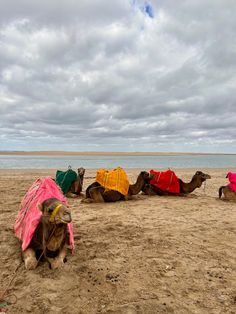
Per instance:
x=40, y=207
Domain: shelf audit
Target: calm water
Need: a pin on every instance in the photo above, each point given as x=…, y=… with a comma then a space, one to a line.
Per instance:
x=62, y=162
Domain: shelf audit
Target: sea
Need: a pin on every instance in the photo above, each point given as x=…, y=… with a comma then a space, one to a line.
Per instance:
x=110, y=162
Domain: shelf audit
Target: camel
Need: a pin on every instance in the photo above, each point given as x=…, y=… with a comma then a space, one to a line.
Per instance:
x=43, y=224
x=185, y=188
x=76, y=186
x=229, y=195
x=229, y=191
x=70, y=183
x=51, y=236
x=98, y=194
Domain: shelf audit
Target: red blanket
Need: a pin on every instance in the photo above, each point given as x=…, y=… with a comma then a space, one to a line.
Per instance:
x=165, y=181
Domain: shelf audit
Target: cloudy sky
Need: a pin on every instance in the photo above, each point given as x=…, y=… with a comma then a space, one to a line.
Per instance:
x=120, y=75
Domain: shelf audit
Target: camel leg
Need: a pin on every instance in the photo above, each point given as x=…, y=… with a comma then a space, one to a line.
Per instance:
x=128, y=197
x=95, y=195
x=148, y=190
x=58, y=261
x=29, y=258
x=71, y=195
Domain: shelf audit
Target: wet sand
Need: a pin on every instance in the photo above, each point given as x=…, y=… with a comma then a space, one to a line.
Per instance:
x=148, y=255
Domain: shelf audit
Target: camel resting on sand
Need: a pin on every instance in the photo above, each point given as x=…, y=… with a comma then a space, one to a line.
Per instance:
x=229, y=195
x=77, y=186
x=98, y=194
x=185, y=188
x=229, y=191
x=43, y=224
x=50, y=236
x=70, y=182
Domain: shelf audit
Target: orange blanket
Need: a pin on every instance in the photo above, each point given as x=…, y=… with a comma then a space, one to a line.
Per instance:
x=115, y=179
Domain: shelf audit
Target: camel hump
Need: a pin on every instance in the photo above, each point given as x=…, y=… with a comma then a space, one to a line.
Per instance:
x=115, y=179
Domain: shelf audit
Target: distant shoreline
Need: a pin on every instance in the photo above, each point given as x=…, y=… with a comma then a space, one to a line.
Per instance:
x=65, y=153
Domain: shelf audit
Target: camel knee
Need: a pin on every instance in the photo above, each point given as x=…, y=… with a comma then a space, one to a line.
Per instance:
x=87, y=200
x=29, y=259
x=58, y=261
x=96, y=196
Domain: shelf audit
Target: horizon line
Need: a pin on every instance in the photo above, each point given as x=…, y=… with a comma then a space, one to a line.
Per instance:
x=103, y=153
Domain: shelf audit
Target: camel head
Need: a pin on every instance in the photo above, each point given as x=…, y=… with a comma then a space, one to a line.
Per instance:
x=201, y=177
x=81, y=172
x=55, y=212
x=144, y=175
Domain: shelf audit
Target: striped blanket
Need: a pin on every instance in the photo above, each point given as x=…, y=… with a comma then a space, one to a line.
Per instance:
x=165, y=181
x=29, y=215
x=115, y=179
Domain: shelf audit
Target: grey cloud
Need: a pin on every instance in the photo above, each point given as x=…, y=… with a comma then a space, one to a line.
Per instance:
x=101, y=76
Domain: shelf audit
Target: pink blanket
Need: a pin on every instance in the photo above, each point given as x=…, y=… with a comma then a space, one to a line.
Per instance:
x=232, y=179
x=29, y=215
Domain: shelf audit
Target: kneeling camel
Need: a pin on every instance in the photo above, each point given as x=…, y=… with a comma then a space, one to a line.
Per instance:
x=185, y=188
x=43, y=225
x=97, y=193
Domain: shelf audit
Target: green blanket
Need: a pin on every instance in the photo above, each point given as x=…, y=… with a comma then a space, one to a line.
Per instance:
x=65, y=178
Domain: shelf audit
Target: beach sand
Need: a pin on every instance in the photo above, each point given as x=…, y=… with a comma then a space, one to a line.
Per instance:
x=148, y=255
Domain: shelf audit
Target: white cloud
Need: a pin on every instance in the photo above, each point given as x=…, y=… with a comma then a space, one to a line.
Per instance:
x=103, y=75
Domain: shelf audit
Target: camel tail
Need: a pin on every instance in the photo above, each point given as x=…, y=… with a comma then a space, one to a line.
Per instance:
x=220, y=191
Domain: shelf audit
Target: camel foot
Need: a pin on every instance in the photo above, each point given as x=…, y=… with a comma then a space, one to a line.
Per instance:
x=56, y=263
x=87, y=200
x=71, y=195
x=30, y=259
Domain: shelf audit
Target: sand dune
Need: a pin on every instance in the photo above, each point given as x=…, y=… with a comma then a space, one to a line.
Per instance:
x=149, y=255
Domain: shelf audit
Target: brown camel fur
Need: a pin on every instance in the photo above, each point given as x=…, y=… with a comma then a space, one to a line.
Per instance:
x=50, y=237
x=77, y=186
x=229, y=195
x=185, y=188
x=96, y=193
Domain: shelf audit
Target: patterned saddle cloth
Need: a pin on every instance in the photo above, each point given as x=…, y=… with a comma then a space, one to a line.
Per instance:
x=165, y=181
x=115, y=179
x=29, y=215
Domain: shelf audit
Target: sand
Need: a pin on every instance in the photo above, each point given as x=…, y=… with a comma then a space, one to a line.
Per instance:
x=148, y=255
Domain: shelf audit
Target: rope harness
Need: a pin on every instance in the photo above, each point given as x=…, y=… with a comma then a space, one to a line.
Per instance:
x=6, y=294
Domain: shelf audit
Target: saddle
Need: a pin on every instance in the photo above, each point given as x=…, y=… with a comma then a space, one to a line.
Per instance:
x=232, y=179
x=115, y=179
x=29, y=215
x=65, y=179
x=165, y=181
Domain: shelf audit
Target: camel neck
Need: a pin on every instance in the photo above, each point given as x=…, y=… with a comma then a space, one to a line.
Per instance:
x=136, y=187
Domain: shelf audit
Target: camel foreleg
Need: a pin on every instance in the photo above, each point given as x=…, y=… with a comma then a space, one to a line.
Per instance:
x=29, y=258
x=58, y=261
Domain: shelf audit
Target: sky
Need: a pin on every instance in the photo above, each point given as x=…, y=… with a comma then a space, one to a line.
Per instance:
x=120, y=75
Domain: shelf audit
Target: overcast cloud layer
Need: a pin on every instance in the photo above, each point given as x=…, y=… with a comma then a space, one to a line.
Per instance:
x=118, y=75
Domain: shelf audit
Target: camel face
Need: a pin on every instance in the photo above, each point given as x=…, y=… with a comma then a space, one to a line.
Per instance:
x=203, y=176
x=81, y=172
x=145, y=175
x=55, y=212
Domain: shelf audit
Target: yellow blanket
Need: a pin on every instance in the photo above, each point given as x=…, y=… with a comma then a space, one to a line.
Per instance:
x=115, y=179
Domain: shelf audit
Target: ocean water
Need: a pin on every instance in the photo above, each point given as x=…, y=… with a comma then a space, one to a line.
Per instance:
x=145, y=162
